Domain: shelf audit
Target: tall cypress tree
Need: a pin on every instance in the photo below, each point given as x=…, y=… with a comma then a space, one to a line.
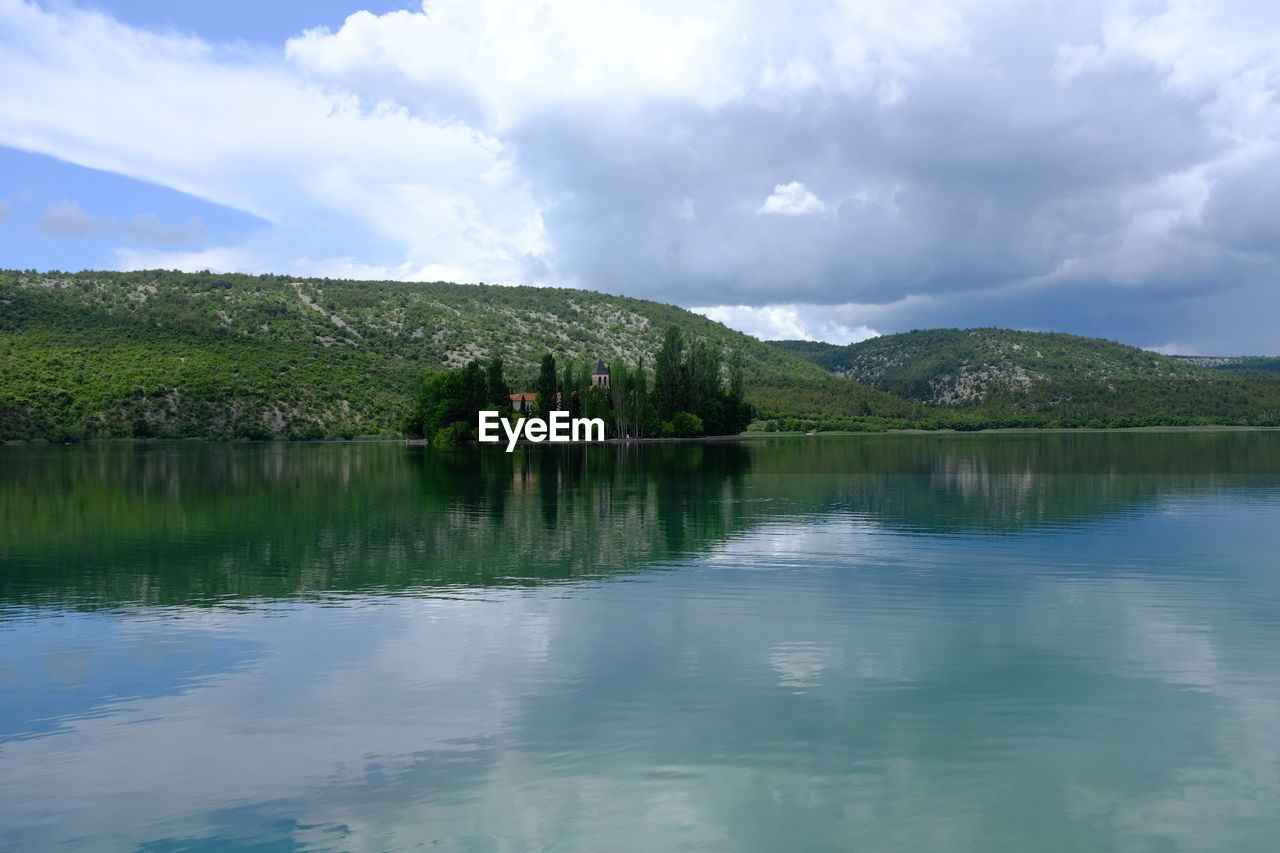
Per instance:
x=739, y=412
x=570, y=400
x=669, y=391
x=703, y=376
x=642, y=399
x=474, y=395
x=547, y=386
x=618, y=396
x=497, y=390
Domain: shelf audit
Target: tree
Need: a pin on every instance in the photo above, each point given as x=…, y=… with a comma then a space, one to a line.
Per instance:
x=440, y=401
x=738, y=412
x=547, y=386
x=618, y=382
x=569, y=398
x=595, y=404
x=688, y=379
x=643, y=409
x=702, y=372
x=474, y=394
x=451, y=400
x=497, y=390
x=686, y=425
x=669, y=389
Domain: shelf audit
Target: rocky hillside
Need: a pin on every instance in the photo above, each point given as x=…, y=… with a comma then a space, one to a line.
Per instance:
x=160, y=353
x=961, y=367
x=1239, y=364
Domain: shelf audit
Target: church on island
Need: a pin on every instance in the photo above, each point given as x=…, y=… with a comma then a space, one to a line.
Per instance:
x=526, y=400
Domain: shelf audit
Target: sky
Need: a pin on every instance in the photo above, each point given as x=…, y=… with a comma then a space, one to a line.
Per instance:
x=825, y=170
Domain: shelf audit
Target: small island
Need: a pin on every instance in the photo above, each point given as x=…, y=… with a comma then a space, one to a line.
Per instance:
x=692, y=391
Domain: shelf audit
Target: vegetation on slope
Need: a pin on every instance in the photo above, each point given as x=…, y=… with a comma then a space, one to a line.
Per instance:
x=160, y=353
x=1002, y=377
x=1256, y=366
x=819, y=352
x=963, y=366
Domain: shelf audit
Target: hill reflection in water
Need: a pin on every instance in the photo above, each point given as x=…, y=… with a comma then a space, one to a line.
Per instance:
x=205, y=523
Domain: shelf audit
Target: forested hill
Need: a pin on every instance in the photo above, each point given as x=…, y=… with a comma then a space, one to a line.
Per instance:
x=964, y=366
x=1259, y=365
x=207, y=355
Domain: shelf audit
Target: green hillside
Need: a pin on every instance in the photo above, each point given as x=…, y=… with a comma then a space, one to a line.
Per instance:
x=1045, y=378
x=1259, y=366
x=159, y=353
x=963, y=366
x=820, y=353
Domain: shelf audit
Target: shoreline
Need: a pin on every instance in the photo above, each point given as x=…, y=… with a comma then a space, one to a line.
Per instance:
x=746, y=436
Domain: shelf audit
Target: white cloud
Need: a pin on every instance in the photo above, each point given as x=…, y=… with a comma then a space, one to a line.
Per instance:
x=251, y=134
x=502, y=61
x=1174, y=348
x=793, y=199
x=991, y=163
x=791, y=322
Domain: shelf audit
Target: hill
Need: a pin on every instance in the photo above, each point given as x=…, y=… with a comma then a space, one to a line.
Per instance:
x=963, y=366
x=161, y=353
x=1003, y=373
x=1244, y=365
x=820, y=353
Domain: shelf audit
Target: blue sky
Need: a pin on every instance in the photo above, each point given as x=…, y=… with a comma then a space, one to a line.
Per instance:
x=830, y=171
x=30, y=239
x=257, y=22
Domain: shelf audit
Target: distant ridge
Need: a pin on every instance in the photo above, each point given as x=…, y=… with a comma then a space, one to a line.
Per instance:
x=1242, y=364
x=964, y=366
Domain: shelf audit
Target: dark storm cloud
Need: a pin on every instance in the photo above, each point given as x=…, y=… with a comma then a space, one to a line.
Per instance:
x=954, y=187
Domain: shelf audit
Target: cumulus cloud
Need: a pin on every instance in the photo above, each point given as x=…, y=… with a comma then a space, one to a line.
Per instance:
x=791, y=322
x=1097, y=167
x=333, y=180
x=1174, y=348
x=793, y=199
x=67, y=219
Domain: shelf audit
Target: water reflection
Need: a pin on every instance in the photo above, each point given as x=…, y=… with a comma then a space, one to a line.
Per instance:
x=189, y=524
x=973, y=643
x=186, y=524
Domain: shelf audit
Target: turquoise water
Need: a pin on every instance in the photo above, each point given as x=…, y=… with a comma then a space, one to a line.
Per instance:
x=1046, y=642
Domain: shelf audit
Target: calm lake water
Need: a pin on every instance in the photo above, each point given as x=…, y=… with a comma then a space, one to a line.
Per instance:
x=987, y=643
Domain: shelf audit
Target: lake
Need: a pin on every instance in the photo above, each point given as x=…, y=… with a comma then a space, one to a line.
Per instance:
x=1003, y=642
